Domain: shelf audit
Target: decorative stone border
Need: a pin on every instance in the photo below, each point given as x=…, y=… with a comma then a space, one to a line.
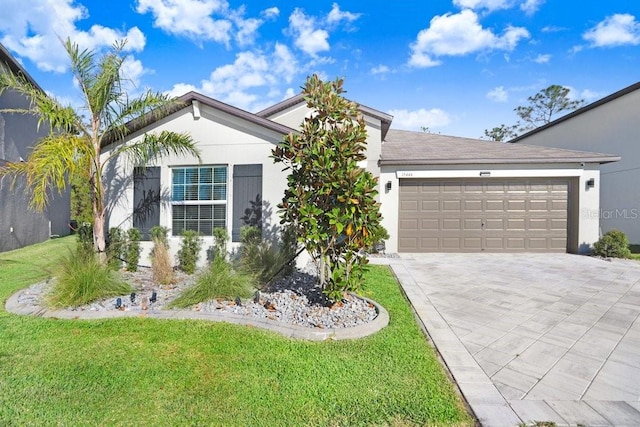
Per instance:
x=292, y=331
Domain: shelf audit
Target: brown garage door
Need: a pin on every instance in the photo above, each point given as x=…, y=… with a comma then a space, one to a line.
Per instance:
x=493, y=215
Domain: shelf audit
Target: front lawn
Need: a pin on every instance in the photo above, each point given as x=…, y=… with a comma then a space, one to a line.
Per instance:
x=152, y=372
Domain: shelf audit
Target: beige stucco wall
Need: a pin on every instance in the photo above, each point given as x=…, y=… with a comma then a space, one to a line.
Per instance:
x=611, y=128
x=223, y=140
x=588, y=200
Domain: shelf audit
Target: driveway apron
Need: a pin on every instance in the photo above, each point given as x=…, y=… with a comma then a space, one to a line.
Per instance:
x=533, y=337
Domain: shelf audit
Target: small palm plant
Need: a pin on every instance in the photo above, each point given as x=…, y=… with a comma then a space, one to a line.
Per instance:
x=74, y=147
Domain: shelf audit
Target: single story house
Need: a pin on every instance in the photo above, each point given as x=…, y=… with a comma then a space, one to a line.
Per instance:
x=19, y=225
x=437, y=193
x=611, y=125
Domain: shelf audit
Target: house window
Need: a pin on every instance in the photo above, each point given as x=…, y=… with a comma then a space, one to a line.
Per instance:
x=199, y=199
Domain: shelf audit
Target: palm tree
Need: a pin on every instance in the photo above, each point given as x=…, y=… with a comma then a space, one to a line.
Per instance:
x=75, y=142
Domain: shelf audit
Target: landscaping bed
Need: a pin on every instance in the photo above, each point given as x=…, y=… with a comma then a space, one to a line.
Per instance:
x=185, y=372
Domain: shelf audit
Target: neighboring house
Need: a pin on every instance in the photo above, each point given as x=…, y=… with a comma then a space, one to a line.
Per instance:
x=19, y=225
x=437, y=193
x=611, y=125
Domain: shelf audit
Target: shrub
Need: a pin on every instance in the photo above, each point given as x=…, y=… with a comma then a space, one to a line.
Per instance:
x=132, y=250
x=82, y=279
x=116, y=247
x=85, y=237
x=263, y=259
x=219, y=280
x=160, y=233
x=220, y=238
x=189, y=251
x=614, y=244
x=161, y=266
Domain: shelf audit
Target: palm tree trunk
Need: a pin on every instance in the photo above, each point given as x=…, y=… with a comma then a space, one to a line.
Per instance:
x=99, y=240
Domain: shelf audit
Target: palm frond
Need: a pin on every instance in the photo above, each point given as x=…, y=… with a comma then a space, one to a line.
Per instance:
x=153, y=146
x=139, y=111
x=46, y=108
x=46, y=170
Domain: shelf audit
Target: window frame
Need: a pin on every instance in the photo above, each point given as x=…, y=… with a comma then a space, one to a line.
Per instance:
x=186, y=198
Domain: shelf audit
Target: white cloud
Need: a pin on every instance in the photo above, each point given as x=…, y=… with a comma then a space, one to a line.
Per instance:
x=591, y=95
x=615, y=30
x=308, y=37
x=35, y=32
x=290, y=92
x=498, y=94
x=190, y=18
x=270, y=13
x=542, y=58
x=311, y=34
x=483, y=4
x=531, y=6
x=336, y=15
x=527, y=6
x=251, y=78
x=131, y=73
x=459, y=34
x=380, y=69
x=416, y=119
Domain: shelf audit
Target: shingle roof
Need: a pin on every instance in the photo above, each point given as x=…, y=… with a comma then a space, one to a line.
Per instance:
x=384, y=118
x=579, y=111
x=418, y=148
x=186, y=100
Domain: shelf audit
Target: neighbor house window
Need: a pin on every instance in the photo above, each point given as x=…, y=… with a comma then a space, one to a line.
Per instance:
x=199, y=199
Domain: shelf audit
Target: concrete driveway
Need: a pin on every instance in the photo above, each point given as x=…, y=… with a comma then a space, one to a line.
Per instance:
x=534, y=337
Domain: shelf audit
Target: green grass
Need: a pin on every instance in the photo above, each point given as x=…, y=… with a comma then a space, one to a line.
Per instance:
x=144, y=371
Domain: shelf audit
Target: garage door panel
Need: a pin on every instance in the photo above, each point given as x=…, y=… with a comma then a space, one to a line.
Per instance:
x=452, y=224
x=472, y=205
x=494, y=224
x=494, y=243
x=472, y=244
x=451, y=243
x=515, y=243
x=483, y=214
x=430, y=206
x=428, y=224
x=516, y=224
x=559, y=205
x=410, y=224
x=473, y=224
x=558, y=224
x=408, y=206
x=495, y=205
x=430, y=243
x=539, y=205
x=516, y=205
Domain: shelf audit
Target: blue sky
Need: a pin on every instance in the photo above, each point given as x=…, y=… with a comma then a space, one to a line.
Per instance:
x=456, y=66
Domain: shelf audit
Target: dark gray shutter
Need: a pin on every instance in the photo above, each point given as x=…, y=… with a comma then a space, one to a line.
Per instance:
x=247, y=197
x=146, y=199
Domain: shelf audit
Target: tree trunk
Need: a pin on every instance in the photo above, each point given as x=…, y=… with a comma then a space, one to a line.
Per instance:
x=99, y=240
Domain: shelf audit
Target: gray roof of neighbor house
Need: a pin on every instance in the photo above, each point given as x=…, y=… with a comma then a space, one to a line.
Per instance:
x=384, y=118
x=419, y=148
x=15, y=67
x=579, y=111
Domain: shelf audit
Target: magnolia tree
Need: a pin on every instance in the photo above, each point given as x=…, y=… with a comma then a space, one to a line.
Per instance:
x=330, y=200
